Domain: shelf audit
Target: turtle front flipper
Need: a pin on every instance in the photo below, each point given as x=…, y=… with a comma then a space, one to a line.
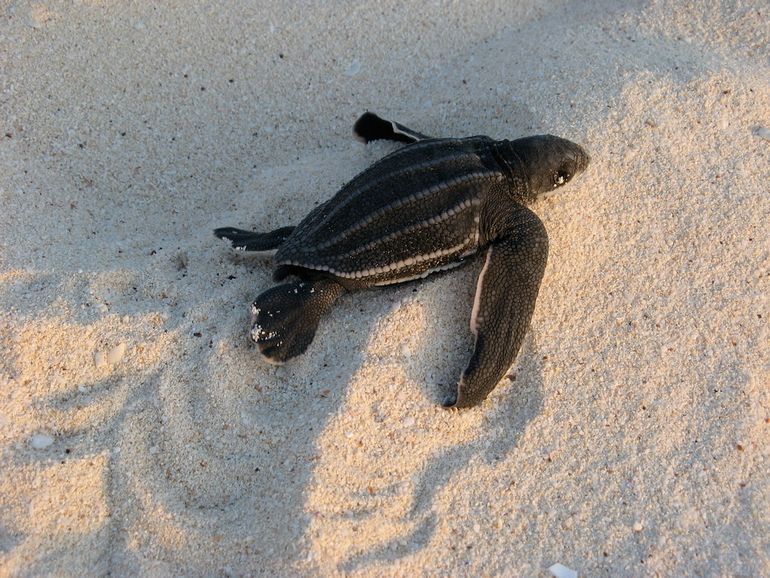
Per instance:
x=284, y=319
x=243, y=240
x=371, y=127
x=506, y=292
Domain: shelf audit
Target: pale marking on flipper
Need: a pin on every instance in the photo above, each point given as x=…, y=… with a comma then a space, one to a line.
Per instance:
x=231, y=243
x=477, y=298
x=269, y=253
x=243, y=240
x=375, y=125
x=397, y=130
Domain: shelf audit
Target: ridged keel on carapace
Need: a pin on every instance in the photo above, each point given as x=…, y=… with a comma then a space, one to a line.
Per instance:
x=400, y=222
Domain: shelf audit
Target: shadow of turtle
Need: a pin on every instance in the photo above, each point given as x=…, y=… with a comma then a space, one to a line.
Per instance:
x=510, y=409
x=192, y=434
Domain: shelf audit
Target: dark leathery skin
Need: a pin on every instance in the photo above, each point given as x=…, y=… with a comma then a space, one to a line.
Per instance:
x=507, y=290
x=284, y=318
x=420, y=203
x=423, y=208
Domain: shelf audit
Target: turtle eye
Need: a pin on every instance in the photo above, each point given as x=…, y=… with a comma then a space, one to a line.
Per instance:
x=561, y=177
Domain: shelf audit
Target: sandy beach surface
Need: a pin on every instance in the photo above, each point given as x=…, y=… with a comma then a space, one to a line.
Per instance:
x=140, y=433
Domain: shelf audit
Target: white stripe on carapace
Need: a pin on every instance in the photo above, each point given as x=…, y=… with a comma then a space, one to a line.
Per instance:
x=477, y=297
x=428, y=272
x=448, y=214
x=405, y=170
x=413, y=198
x=375, y=182
x=467, y=244
x=417, y=259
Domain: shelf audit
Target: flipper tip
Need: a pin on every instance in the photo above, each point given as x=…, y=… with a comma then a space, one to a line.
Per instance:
x=225, y=233
x=364, y=127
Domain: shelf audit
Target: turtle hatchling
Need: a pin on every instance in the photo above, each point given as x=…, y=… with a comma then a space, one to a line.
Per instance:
x=427, y=207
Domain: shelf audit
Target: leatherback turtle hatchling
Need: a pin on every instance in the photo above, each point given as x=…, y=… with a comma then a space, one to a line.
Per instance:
x=426, y=207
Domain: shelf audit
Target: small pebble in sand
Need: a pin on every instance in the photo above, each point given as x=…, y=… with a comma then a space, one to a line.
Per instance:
x=99, y=359
x=638, y=527
x=353, y=69
x=181, y=261
x=762, y=132
x=561, y=571
x=41, y=441
x=116, y=354
x=408, y=421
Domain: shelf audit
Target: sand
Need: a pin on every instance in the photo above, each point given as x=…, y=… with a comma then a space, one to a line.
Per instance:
x=141, y=434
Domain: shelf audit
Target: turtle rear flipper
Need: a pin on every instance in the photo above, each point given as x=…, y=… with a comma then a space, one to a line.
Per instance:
x=243, y=240
x=284, y=319
x=506, y=292
x=371, y=127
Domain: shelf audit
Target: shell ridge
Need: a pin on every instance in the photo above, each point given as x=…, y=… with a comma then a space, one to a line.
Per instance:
x=353, y=189
x=460, y=248
x=446, y=215
x=410, y=267
x=479, y=176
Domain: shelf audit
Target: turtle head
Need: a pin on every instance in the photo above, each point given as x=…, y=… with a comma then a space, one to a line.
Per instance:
x=548, y=161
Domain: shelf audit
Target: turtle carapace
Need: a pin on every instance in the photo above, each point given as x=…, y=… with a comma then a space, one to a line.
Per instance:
x=426, y=207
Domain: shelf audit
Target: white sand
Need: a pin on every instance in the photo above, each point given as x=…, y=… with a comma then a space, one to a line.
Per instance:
x=635, y=438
